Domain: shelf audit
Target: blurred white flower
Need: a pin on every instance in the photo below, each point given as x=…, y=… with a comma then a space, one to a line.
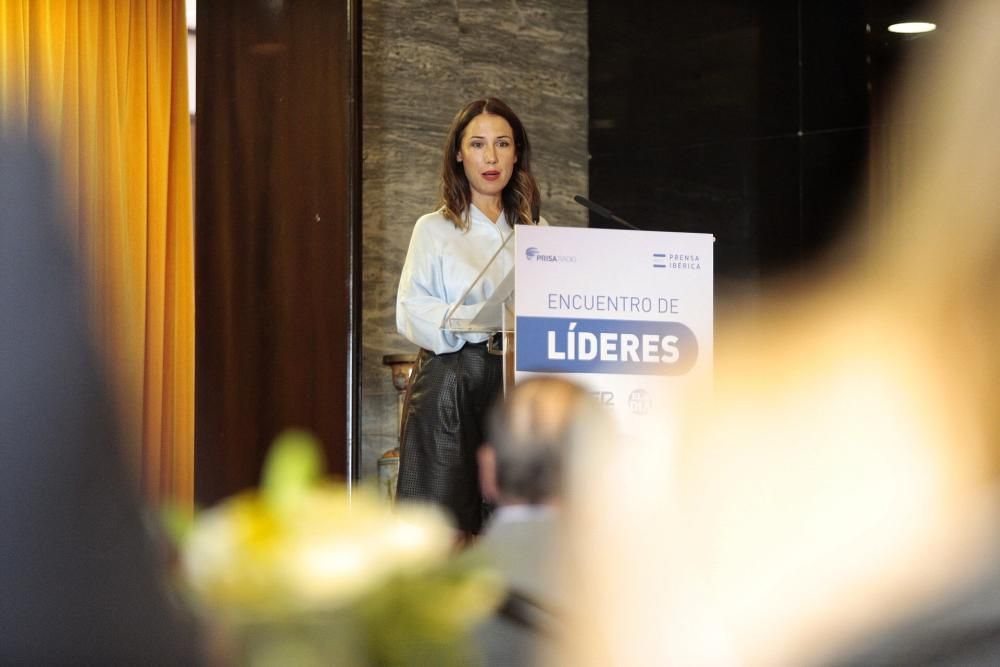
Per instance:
x=303, y=567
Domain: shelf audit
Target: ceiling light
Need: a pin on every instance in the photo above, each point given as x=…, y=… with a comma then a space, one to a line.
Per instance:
x=912, y=27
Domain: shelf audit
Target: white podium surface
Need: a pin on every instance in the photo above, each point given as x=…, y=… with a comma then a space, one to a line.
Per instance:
x=627, y=314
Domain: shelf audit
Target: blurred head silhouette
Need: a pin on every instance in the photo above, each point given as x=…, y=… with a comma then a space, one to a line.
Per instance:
x=531, y=433
x=79, y=582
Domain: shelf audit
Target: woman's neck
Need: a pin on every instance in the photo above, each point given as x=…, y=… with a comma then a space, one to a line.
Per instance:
x=491, y=207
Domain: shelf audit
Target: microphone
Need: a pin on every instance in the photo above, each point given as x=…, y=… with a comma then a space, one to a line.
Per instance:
x=603, y=212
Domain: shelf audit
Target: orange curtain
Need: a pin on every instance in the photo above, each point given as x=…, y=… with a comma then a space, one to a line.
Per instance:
x=104, y=84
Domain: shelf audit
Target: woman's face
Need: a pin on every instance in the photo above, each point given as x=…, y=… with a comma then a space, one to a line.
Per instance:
x=487, y=153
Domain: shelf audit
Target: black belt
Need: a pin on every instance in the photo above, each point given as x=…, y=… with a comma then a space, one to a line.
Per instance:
x=494, y=343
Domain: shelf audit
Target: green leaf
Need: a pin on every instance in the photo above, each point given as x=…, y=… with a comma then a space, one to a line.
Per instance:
x=293, y=466
x=177, y=521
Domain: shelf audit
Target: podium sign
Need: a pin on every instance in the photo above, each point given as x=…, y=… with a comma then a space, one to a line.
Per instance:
x=627, y=313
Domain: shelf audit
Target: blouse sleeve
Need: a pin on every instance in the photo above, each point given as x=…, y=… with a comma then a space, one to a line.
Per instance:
x=421, y=299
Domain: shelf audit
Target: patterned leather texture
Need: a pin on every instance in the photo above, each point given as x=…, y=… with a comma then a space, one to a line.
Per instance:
x=446, y=406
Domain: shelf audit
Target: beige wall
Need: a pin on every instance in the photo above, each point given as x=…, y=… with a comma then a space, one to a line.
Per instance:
x=422, y=60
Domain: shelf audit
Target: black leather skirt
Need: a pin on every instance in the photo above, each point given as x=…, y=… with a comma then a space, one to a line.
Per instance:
x=443, y=426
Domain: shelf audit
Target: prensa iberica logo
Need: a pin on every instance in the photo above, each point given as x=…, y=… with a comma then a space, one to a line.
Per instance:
x=679, y=261
x=533, y=254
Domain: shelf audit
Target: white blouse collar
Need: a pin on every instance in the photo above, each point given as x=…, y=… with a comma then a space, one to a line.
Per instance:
x=479, y=216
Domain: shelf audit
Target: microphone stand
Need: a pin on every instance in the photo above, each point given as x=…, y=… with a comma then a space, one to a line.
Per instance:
x=603, y=212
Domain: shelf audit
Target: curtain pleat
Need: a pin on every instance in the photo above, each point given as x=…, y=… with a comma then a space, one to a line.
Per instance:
x=104, y=85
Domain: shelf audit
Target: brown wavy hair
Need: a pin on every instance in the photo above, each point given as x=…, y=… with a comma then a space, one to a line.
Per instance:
x=521, y=199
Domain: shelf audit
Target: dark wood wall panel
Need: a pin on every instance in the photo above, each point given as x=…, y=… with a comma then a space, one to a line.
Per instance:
x=276, y=232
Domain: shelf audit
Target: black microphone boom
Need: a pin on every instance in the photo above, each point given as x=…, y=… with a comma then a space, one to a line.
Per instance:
x=603, y=212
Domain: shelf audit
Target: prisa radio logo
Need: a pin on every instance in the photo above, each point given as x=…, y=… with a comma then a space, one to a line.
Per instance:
x=533, y=254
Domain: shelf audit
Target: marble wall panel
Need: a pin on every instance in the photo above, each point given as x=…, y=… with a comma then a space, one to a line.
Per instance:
x=421, y=61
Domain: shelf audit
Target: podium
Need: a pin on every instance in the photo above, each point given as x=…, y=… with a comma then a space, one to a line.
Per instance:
x=494, y=317
x=627, y=314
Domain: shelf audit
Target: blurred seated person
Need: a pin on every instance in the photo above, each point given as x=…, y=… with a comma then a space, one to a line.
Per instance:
x=79, y=580
x=531, y=434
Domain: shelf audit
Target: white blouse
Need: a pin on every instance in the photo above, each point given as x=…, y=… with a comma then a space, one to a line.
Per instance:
x=441, y=263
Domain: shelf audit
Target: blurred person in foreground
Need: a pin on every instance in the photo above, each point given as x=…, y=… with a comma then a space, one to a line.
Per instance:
x=533, y=433
x=79, y=580
x=833, y=499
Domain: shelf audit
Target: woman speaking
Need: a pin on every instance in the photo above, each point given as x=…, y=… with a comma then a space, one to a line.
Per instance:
x=486, y=188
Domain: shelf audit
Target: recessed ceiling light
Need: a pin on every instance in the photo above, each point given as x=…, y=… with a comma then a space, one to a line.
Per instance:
x=912, y=27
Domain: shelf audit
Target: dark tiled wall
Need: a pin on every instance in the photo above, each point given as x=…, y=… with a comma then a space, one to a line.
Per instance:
x=750, y=120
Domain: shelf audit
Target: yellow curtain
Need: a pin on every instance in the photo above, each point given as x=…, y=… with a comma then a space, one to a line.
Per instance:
x=104, y=84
